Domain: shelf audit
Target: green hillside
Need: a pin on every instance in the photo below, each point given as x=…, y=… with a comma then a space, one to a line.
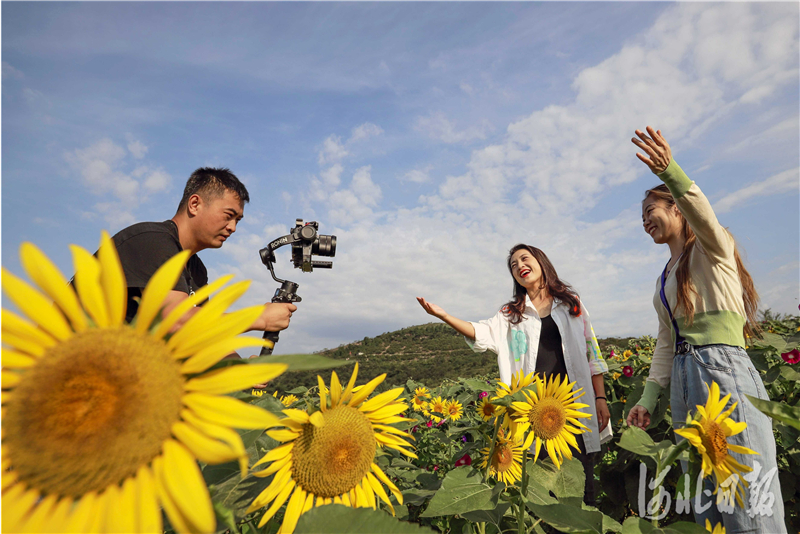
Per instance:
x=428, y=353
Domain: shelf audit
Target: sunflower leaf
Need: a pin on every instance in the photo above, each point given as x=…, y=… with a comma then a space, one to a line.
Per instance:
x=788, y=415
x=567, y=518
x=335, y=519
x=462, y=491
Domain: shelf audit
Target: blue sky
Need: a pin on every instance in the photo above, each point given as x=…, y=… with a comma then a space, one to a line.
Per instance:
x=429, y=137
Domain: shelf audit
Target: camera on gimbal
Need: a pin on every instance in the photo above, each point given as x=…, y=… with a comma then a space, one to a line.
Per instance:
x=306, y=241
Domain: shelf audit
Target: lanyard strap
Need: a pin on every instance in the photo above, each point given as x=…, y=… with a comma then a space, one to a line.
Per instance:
x=678, y=337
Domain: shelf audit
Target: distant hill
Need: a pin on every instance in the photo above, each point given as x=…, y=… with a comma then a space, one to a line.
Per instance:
x=428, y=353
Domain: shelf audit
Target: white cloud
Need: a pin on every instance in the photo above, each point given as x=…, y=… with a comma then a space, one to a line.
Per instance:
x=438, y=126
x=367, y=191
x=158, y=180
x=365, y=131
x=332, y=175
x=467, y=88
x=11, y=72
x=138, y=149
x=102, y=167
x=332, y=150
x=418, y=176
x=774, y=185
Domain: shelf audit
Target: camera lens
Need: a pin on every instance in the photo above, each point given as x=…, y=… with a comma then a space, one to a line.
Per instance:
x=325, y=246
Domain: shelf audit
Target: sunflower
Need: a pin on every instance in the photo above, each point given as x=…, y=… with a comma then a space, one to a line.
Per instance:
x=453, y=410
x=436, y=405
x=328, y=456
x=102, y=420
x=718, y=528
x=506, y=460
x=519, y=380
x=487, y=410
x=552, y=415
x=288, y=400
x=419, y=402
x=709, y=435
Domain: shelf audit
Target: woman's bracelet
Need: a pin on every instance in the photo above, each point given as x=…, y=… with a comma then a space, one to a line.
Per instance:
x=598, y=398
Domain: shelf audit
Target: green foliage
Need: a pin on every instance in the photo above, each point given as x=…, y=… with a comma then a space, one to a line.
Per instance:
x=338, y=519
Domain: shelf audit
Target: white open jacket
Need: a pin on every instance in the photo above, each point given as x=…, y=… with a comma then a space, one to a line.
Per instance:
x=516, y=346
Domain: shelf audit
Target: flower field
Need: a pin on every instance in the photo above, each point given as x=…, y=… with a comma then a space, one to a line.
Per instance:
x=110, y=427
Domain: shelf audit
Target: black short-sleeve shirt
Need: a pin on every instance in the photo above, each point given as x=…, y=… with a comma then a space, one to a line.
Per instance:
x=143, y=248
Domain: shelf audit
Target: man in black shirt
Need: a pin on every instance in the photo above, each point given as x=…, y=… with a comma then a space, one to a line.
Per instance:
x=211, y=207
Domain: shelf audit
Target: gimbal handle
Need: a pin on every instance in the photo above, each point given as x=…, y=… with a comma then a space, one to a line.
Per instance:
x=286, y=293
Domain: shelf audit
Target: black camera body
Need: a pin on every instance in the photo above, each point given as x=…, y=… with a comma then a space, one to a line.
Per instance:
x=306, y=241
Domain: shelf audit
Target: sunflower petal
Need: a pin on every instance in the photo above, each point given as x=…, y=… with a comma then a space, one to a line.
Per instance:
x=323, y=398
x=229, y=411
x=186, y=486
x=48, y=277
x=19, y=327
x=222, y=433
x=87, y=282
x=204, y=448
x=235, y=378
x=40, y=514
x=213, y=353
x=188, y=303
x=230, y=324
x=112, y=279
x=293, y=510
x=209, y=313
x=16, y=360
x=176, y=517
x=350, y=384
x=35, y=306
x=379, y=401
x=159, y=286
x=149, y=516
x=124, y=514
x=366, y=390
x=317, y=419
x=277, y=503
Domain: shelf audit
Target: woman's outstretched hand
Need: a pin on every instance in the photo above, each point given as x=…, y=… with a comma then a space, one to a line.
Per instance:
x=656, y=147
x=639, y=416
x=432, y=308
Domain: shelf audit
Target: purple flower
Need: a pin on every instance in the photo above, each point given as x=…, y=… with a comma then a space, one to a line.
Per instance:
x=793, y=356
x=464, y=438
x=430, y=423
x=483, y=394
x=612, y=355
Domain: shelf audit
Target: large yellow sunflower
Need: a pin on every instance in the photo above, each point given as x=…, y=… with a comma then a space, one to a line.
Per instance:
x=506, y=459
x=419, y=401
x=709, y=435
x=453, y=410
x=103, y=421
x=552, y=414
x=328, y=455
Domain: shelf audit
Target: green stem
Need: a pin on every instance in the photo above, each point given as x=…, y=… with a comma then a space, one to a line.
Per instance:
x=521, y=509
x=491, y=450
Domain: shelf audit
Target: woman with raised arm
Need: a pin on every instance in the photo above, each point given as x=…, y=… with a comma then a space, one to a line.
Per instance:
x=545, y=329
x=706, y=304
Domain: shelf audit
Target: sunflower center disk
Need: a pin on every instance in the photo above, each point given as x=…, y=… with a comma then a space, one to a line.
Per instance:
x=547, y=418
x=331, y=460
x=503, y=457
x=715, y=443
x=92, y=411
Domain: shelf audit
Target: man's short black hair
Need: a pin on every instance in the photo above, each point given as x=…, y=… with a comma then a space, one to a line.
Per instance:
x=210, y=183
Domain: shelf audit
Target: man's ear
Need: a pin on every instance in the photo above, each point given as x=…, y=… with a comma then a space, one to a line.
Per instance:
x=193, y=205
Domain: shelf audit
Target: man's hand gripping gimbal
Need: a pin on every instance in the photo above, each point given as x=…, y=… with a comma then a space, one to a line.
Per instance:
x=305, y=240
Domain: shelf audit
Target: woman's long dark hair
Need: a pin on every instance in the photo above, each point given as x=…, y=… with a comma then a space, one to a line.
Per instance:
x=555, y=286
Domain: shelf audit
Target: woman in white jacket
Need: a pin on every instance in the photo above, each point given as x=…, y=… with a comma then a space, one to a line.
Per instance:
x=544, y=329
